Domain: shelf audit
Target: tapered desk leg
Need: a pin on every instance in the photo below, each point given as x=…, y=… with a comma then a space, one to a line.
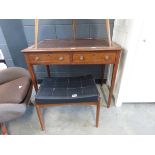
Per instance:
x=115, y=67
x=32, y=73
x=48, y=70
x=31, y=70
x=40, y=117
x=102, y=73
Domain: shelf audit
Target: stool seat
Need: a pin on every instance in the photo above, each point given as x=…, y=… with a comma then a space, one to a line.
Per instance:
x=67, y=90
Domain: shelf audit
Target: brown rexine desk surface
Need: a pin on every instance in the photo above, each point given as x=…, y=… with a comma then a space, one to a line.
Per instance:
x=73, y=45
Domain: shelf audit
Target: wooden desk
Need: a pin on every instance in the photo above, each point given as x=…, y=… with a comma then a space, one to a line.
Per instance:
x=73, y=52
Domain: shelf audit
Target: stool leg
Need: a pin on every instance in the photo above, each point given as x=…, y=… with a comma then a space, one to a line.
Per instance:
x=97, y=113
x=3, y=128
x=40, y=117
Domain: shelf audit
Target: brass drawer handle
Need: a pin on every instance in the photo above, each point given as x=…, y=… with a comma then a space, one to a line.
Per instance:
x=36, y=58
x=81, y=57
x=106, y=57
x=61, y=58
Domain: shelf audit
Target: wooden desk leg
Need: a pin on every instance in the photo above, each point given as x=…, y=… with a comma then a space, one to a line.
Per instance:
x=40, y=117
x=48, y=70
x=115, y=67
x=34, y=81
x=32, y=73
x=102, y=73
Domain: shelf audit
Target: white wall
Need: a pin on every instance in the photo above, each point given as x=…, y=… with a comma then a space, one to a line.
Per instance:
x=2, y=65
x=136, y=78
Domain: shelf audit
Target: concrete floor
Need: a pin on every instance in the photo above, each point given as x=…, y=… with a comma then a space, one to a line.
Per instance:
x=133, y=118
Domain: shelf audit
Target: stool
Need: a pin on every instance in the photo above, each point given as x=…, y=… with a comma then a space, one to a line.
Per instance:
x=60, y=91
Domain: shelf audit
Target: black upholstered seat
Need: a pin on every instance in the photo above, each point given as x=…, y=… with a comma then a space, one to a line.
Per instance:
x=67, y=90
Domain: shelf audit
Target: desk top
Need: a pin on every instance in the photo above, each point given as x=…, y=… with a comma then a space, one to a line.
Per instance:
x=73, y=45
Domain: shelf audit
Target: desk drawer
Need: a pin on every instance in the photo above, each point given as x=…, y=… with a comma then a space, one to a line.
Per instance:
x=94, y=58
x=53, y=58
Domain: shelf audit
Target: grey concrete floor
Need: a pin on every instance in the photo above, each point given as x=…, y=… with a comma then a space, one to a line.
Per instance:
x=131, y=118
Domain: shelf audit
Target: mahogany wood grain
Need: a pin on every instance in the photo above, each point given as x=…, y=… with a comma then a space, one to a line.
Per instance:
x=115, y=67
x=43, y=105
x=73, y=52
x=49, y=58
x=76, y=57
x=94, y=58
x=31, y=70
x=40, y=116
